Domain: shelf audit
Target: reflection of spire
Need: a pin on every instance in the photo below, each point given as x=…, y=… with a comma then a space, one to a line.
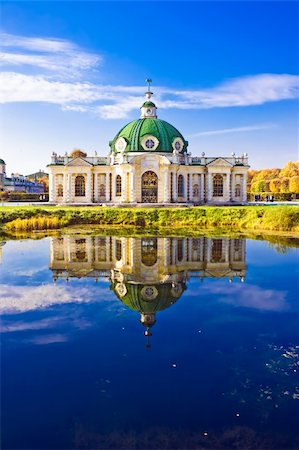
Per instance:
x=148, y=334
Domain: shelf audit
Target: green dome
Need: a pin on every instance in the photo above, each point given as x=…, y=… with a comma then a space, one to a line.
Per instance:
x=135, y=300
x=2, y=161
x=148, y=103
x=135, y=132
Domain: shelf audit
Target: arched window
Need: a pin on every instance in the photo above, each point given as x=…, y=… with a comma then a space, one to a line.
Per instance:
x=60, y=190
x=80, y=186
x=149, y=251
x=238, y=190
x=180, y=186
x=118, y=186
x=196, y=190
x=218, y=186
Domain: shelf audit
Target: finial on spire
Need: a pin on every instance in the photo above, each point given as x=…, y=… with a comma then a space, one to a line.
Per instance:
x=148, y=93
x=148, y=334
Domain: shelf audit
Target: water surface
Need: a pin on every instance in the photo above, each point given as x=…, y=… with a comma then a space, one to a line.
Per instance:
x=149, y=343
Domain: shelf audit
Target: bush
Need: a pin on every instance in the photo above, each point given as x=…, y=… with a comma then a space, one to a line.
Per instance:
x=12, y=196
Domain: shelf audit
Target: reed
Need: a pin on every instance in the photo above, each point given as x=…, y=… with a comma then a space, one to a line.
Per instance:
x=34, y=224
x=238, y=218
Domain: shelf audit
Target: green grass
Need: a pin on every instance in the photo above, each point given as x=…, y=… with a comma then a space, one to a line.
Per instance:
x=235, y=218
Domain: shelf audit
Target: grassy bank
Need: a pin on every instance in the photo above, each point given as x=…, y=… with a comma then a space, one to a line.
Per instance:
x=235, y=218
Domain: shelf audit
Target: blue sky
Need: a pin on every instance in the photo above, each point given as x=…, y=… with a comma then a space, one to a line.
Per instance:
x=224, y=73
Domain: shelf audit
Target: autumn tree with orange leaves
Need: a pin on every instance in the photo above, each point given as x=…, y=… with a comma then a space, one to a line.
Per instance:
x=275, y=181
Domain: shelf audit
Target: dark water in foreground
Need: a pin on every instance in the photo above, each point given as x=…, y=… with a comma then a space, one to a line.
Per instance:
x=214, y=362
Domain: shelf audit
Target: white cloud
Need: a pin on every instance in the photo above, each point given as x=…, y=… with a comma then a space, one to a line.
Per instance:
x=61, y=57
x=15, y=299
x=259, y=127
x=248, y=296
x=58, y=67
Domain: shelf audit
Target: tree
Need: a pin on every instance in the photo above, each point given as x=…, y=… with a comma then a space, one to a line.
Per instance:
x=284, y=185
x=294, y=184
x=291, y=169
x=275, y=185
x=45, y=182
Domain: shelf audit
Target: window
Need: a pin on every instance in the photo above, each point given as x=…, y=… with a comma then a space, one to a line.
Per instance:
x=238, y=190
x=216, y=256
x=118, y=250
x=80, y=186
x=178, y=145
x=218, y=186
x=149, y=251
x=60, y=190
x=180, y=250
x=102, y=190
x=180, y=186
x=196, y=190
x=118, y=186
x=149, y=143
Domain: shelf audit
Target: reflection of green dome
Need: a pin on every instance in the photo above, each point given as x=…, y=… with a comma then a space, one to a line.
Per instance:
x=2, y=161
x=134, y=132
x=166, y=295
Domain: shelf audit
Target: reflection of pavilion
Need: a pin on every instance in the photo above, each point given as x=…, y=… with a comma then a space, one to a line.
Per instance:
x=147, y=274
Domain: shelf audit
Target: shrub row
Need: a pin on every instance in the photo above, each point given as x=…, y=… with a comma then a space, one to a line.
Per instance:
x=280, y=218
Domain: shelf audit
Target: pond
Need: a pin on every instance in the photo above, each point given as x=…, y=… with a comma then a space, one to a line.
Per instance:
x=149, y=342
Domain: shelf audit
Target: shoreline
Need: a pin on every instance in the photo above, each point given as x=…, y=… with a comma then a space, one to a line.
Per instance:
x=270, y=219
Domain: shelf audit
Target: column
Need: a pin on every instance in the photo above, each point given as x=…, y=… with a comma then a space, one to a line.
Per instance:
x=96, y=187
x=69, y=189
x=191, y=187
x=175, y=187
x=113, y=190
x=227, y=187
x=202, y=187
x=210, y=187
x=132, y=187
x=107, y=187
x=233, y=186
x=52, y=188
x=166, y=242
x=244, y=188
x=88, y=188
x=124, y=187
x=166, y=187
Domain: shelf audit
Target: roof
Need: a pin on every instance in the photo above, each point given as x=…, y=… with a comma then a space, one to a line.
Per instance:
x=2, y=161
x=135, y=131
x=148, y=103
x=135, y=301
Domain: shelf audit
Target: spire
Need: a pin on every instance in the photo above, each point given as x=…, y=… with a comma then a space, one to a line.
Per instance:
x=148, y=109
x=148, y=93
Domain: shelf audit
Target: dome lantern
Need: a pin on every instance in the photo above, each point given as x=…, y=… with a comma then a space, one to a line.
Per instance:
x=148, y=134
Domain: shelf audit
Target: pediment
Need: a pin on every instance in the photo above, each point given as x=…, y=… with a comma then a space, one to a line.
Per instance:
x=79, y=162
x=220, y=162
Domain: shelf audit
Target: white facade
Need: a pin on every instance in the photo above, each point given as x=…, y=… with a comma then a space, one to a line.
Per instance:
x=148, y=163
x=148, y=178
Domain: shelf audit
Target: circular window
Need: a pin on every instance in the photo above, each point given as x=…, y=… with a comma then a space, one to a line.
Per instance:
x=177, y=145
x=149, y=293
x=149, y=143
x=121, y=144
